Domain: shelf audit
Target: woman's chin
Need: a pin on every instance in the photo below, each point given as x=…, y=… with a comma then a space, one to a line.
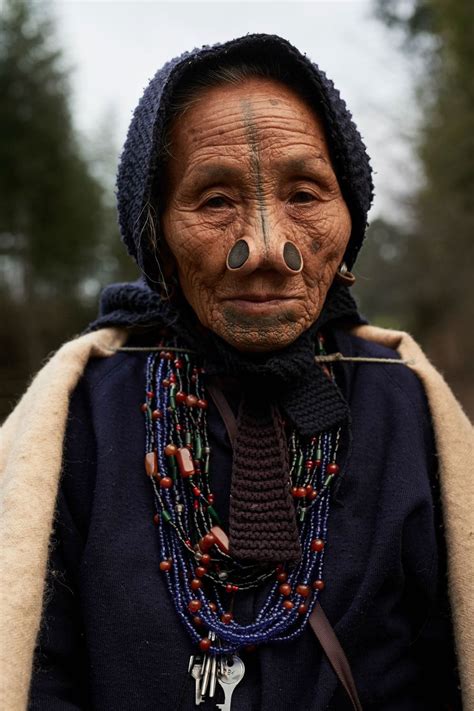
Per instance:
x=259, y=338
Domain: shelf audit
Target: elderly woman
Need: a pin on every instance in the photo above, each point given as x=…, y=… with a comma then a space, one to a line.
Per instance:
x=248, y=514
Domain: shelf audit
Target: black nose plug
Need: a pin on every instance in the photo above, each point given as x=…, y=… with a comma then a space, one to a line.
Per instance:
x=292, y=257
x=238, y=255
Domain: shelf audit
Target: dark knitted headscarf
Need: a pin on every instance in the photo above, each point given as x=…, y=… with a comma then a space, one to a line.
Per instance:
x=286, y=383
x=140, y=161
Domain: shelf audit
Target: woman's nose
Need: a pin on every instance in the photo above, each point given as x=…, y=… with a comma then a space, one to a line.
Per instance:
x=247, y=255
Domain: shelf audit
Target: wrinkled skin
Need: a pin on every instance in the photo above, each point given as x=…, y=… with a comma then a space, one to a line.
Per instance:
x=251, y=162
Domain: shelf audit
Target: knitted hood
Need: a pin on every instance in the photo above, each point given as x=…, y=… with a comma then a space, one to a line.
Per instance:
x=140, y=161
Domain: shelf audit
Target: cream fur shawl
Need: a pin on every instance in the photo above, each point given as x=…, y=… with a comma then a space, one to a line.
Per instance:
x=30, y=467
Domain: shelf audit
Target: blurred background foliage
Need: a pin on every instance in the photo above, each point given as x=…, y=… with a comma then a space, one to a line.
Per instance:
x=420, y=276
x=59, y=240
x=58, y=235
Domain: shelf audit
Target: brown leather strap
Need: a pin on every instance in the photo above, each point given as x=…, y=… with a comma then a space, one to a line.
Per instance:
x=225, y=410
x=318, y=621
x=334, y=652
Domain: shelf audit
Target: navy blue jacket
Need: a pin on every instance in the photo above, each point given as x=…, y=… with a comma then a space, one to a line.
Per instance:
x=110, y=638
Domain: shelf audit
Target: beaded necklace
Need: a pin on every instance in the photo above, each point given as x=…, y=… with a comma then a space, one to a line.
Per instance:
x=201, y=576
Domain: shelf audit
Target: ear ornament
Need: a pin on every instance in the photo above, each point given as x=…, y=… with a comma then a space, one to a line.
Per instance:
x=344, y=276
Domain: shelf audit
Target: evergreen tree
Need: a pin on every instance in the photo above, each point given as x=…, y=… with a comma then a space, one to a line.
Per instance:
x=51, y=206
x=435, y=276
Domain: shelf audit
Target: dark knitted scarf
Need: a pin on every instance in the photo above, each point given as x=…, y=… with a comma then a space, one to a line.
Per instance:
x=286, y=383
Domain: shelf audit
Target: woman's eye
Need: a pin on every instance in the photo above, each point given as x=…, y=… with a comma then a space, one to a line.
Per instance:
x=302, y=197
x=216, y=202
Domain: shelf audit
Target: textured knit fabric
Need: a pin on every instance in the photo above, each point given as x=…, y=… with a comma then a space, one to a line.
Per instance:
x=381, y=532
x=262, y=513
x=140, y=163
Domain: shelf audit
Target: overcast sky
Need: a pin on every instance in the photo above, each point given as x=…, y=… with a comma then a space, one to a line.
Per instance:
x=116, y=47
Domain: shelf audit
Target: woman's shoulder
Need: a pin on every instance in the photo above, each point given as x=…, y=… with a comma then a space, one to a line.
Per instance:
x=107, y=384
x=94, y=357
x=379, y=367
x=387, y=397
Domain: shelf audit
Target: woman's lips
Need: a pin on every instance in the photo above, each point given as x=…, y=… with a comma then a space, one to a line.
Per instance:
x=258, y=304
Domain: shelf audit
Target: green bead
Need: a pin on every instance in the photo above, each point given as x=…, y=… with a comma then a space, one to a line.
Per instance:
x=166, y=516
x=302, y=515
x=173, y=467
x=197, y=446
x=329, y=479
x=173, y=389
x=187, y=438
x=299, y=466
x=213, y=514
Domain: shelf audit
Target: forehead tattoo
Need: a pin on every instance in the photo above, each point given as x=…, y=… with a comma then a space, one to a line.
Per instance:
x=240, y=252
x=252, y=138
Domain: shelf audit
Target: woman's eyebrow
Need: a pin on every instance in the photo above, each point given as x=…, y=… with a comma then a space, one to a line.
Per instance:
x=218, y=172
x=300, y=164
x=215, y=173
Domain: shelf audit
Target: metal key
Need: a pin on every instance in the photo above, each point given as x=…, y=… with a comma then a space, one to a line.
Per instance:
x=208, y=671
x=232, y=675
x=213, y=679
x=195, y=669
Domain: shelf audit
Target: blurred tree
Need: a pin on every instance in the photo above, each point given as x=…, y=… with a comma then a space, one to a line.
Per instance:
x=102, y=156
x=378, y=282
x=433, y=262
x=55, y=224
x=50, y=205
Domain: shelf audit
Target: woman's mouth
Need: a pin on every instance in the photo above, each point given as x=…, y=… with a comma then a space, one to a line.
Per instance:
x=259, y=303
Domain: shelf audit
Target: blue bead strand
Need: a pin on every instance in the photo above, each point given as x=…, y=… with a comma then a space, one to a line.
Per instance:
x=185, y=516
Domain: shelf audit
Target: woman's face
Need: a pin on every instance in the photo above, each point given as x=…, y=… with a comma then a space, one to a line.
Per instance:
x=250, y=165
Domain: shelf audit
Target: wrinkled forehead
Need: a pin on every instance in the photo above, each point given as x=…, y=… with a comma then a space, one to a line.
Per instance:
x=231, y=107
x=234, y=123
